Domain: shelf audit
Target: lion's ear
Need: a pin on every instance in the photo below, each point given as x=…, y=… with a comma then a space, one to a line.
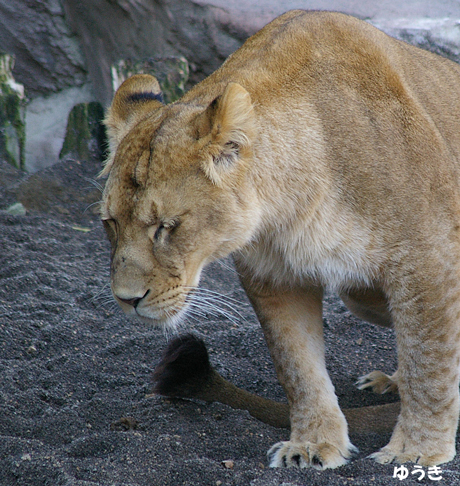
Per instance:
x=230, y=124
x=135, y=97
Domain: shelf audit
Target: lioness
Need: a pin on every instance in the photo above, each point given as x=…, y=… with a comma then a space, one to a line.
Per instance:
x=322, y=153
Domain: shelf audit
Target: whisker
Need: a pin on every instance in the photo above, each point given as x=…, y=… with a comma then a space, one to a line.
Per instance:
x=211, y=302
x=197, y=309
x=193, y=317
x=212, y=310
x=95, y=183
x=102, y=292
x=108, y=302
x=227, y=266
x=216, y=303
x=104, y=299
x=91, y=205
x=175, y=327
x=202, y=290
x=201, y=310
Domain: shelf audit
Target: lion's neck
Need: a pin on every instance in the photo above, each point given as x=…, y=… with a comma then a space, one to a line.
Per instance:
x=305, y=231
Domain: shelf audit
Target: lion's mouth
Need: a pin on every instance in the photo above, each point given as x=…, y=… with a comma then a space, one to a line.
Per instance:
x=165, y=310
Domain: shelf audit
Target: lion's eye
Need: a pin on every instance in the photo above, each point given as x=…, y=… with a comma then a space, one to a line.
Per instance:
x=161, y=228
x=164, y=229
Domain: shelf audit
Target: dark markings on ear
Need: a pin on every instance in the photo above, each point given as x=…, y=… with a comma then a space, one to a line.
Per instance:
x=233, y=146
x=214, y=103
x=229, y=154
x=145, y=96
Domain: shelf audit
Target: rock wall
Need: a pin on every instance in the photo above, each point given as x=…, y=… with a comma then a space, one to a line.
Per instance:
x=47, y=52
x=64, y=49
x=114, y=30
x=12, y=129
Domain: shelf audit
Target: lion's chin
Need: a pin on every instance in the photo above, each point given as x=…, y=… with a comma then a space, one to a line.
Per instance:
x=170, y=322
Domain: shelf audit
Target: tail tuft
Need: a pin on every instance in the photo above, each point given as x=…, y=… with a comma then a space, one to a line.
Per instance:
x=184, y=370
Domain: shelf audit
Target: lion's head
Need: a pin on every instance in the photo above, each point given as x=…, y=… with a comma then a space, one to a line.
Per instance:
x=176, y=196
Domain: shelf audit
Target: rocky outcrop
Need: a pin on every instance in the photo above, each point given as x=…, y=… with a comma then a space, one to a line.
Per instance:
x=126, y=29
x=12, y=129
x=48, y=54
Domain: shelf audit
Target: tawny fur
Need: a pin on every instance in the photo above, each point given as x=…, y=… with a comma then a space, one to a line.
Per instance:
x=322, y=153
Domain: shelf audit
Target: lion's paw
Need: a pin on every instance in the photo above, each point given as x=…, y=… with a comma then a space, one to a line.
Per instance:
x=379, y=382
x=387, y=455
x=307, y=454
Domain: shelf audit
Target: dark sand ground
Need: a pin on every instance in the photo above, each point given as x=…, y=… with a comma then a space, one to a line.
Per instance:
x=71, y=365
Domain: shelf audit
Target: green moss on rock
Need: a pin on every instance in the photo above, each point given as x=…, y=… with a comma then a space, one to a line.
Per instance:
x=85, y=136
x=12, y=125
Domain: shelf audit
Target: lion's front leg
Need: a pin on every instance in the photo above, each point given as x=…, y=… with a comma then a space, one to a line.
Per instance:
x=292, y=323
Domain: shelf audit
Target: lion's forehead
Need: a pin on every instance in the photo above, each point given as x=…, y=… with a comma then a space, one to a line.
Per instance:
x=161, y=199
x=153, y=170
x=157, y=170
x=166, y=157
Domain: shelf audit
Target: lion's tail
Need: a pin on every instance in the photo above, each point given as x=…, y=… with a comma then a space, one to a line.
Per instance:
x=186, y=372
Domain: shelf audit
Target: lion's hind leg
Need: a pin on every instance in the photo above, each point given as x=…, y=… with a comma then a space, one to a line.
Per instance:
x=368, y=304
x=426, y=321
x=379, y=382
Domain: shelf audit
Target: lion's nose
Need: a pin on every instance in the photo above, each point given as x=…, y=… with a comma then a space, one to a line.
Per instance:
x=134, y=302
